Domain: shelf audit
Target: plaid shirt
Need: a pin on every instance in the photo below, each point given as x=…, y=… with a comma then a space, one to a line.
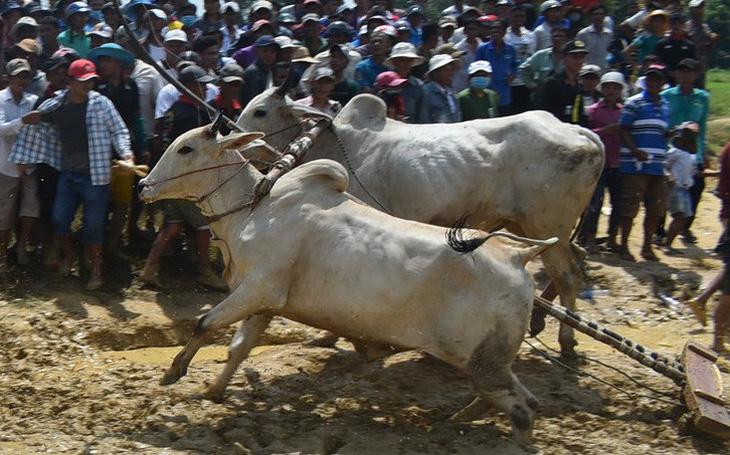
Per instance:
x=41, y=144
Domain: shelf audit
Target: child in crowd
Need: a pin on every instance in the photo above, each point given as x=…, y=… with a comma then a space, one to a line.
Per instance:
x=389, y=85
x=680, y=169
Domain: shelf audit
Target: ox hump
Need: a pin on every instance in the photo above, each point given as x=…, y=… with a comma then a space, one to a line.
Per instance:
x=363, y=112
x=333, y=172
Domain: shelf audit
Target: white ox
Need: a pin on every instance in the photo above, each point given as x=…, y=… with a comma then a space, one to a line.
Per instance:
x=529, y=173
x=311, y=253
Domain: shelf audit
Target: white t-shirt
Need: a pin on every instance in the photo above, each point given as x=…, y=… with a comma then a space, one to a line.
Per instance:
x=524, y=44
x=10, y=125
x=681, y=165
x=169, y=94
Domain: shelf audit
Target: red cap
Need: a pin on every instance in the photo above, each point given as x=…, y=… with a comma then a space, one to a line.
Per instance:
x=487, y=19
x=390, y=79
x=82, y=70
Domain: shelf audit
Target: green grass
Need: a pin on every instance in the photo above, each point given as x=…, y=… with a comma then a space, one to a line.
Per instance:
x=718, y=128
x=718, y=84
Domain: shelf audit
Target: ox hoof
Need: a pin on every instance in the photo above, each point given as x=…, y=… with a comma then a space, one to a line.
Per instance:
x=213, y=394
x=537, y=322
x=172, y=375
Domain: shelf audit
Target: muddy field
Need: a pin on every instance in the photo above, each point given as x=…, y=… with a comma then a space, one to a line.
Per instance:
x=80, y=374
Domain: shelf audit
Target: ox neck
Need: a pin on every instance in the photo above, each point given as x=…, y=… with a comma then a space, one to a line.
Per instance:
x=235, y=189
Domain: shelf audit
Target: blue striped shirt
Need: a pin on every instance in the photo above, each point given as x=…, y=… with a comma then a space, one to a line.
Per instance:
x=648, y=120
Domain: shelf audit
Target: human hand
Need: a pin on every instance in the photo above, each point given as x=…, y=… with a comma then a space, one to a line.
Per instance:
x=641, y=155
x=31, y=118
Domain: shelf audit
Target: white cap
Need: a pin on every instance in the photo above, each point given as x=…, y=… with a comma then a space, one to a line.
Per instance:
x=230, y=5
x=262, y=4
x=285, y=42
x=439, y=61
x=323, y=72
x=696, y=3
x=158, y=13
x=176, y=35
x=387, y=29
x=549, y=4
x=479, y=65
x=613, y=77
x=363, y=30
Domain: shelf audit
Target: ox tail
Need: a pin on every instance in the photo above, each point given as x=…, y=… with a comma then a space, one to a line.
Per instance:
x=456, y=241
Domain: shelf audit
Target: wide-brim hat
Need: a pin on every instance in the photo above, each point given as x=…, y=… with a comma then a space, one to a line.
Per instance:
x=439, y=61
x=301, y=55
x=404, y=50
x=112, y=50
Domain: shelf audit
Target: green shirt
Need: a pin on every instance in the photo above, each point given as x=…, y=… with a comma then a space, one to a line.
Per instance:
x=645, y=44
x=539, y=67
x=476, y=105
x=81, y=44
x=694, y=107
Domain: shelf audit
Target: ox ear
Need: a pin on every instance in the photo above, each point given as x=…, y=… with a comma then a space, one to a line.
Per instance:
x=303, y=112
x=236, y=141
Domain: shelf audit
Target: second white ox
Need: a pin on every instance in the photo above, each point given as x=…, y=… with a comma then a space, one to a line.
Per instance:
x=311, y=253
x=530, y=173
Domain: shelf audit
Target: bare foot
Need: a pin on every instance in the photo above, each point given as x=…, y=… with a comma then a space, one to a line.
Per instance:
x=698, y=308
x=22, y=256
x=720, y=348
x=94, y=283
x=151, y=279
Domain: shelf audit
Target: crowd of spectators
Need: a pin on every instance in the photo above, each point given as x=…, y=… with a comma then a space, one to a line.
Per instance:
x=78, y=90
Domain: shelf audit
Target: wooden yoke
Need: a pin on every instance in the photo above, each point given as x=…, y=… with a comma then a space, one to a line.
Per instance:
x=292, y=155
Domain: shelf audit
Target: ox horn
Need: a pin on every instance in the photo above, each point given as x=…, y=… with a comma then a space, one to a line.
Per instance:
x=286, y=85
x=213, y=129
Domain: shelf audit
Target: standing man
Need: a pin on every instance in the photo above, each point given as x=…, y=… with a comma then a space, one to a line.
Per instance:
x=503, y=59
x=231, y=31
x=77, y=15
x=644, y=126
x=469, y=46
x=367, y=70
x=562, y=95
x=525, y=45
x=80, y=128
x=403, y=58
x=439, y=103
x=701, y=36
x=597, y=37
x=18, y=189
x=544, y=32
x=257, y=77
x=690, y=104
x=544, y=63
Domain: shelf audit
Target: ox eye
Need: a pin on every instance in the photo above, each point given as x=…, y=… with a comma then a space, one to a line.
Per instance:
x=259, y=113
x=184, y=150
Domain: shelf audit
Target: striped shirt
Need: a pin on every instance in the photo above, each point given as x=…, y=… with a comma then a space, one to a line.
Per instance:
x=41, y=143
x=648, y=120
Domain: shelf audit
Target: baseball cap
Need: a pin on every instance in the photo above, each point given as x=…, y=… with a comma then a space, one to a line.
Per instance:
x=549, y=4
x=342, y=9
x=590, y=69
x=505, y=3
x=414, y=9
x=231, y=72
x=10, y=6
x=575, y=46
x=656, y=68
x=285, y=42
x=286, y=18
x=265, y=40
x=77, y=7
x=386, y=29
x=191, y=56
x=402, y=25
x=322, y=73
x=376, y=17
x=337, y=28
x=311, y=17
x=613, y=77
x=479, y=65
x=55, y=62
x=390, y=79
x=447, y=21
x=82, y=70
x=487, y=19
x=263, y=4
x=30, y=46
x=17, y=66
x=176, y=35
x=260, y=23
x=230, y=7
x=194, y=73
x=697, y=3
x=689, y=63
x=470, y=9
x=103, y=30
x=25, y=21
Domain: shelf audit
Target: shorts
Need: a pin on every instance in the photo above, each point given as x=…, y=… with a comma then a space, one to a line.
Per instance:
x=122, y=187
x=183, y=211
x=12, y=190
x=75, y=188
x=680, y=201
x=649, y=189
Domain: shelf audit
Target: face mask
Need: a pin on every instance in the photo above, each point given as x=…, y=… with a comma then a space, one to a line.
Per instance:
x=480, y=82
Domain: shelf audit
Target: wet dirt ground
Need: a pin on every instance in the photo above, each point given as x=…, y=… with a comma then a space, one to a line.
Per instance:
x=80, y=373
